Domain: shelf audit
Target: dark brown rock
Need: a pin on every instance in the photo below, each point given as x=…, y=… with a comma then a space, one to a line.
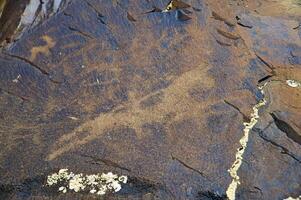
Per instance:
x=113, y=86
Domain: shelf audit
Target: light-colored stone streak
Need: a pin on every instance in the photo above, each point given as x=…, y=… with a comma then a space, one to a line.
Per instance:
x=56, y=5
x=2, y=4
x=30, y=12
x=231, y=191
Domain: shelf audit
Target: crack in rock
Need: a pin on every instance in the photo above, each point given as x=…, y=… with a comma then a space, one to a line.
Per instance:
x=84, y=34
x=14, y=95
x=40, y=69
x=245, y=118
x=286, y=128
x=98, y=13
x=188, y=166
x=283, y=149
x=269, y=65
x=107, y=162
x=231, y=190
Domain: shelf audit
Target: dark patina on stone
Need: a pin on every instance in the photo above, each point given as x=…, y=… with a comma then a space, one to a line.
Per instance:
x=120, y=86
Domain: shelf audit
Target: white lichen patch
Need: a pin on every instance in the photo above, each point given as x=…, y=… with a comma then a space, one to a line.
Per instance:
x=231, y=190
x=99, y=184
x=291, y=198
x=16, y=80
x=293, y=83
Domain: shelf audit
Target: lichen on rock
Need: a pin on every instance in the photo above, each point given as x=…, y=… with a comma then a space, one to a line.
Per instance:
x=293, y=83
x=94, y=183
x=291, y=198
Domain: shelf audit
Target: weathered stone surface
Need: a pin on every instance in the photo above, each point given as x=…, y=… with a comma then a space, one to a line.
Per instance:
x=273, y=156
x=111, y=86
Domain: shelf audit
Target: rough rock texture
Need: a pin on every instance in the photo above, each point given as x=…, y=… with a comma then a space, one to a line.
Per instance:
x=160, y=97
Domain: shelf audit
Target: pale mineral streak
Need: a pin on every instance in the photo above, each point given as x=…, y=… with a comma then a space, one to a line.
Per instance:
x=95, y=183
x=231, y=190
x=56, y=5
x=2, y=5
x=35, y=8
x=30, y=12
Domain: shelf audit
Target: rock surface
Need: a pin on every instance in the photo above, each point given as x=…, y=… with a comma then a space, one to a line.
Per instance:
x=162, y=97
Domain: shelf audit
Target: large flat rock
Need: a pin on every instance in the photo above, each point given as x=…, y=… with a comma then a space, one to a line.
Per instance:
x=105, y=86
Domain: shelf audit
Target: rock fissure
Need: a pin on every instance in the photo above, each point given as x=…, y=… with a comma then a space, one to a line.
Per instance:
x=85, y=35
x=245, y=118
x=265, y=79
x=287, y=129
x=107, y=162
x=98, y=13
x=270, y=66
x=283, y=149
x=40, y=69
x=188, y=166
x=15, y=95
